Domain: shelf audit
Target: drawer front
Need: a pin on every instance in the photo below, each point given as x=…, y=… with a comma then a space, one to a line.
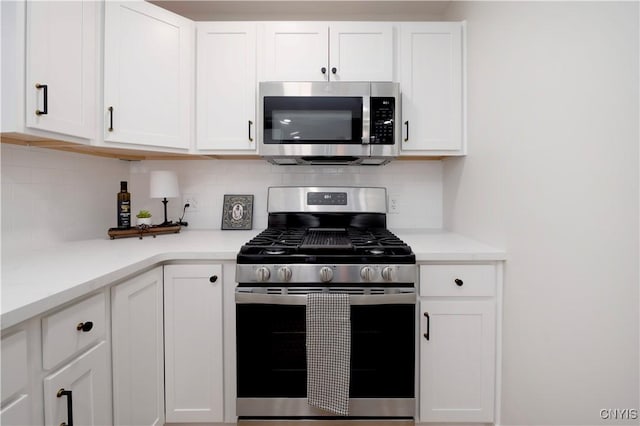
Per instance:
x=457, y=280
x=15, y=376
x=62, y=334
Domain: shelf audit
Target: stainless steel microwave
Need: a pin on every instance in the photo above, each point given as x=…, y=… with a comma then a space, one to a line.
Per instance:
x=329, y=122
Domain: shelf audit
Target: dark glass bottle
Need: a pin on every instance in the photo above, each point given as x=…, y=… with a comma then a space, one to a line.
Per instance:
x=124, y=207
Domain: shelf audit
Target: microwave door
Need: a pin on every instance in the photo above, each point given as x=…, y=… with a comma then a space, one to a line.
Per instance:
x=315, y=120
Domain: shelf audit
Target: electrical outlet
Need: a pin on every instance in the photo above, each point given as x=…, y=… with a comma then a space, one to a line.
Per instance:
x=394, y=205
x=192, y=200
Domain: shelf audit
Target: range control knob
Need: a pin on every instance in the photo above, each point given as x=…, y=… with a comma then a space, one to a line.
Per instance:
x=326, y=274
x=388, y=273
x=284, y=274
x=366, y=273
x=263, y=274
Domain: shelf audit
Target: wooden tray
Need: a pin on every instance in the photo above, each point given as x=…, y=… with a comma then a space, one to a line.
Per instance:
x=142, y=231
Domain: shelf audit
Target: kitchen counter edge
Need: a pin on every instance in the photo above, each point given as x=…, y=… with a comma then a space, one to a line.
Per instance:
x=29, y=296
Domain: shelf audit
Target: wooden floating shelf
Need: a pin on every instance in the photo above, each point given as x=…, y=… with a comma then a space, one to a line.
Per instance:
x=142, y=231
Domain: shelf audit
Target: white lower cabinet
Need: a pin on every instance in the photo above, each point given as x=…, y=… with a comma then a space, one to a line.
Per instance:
x=82, y=384
x=16, y=412
x=457, y=371
x=15, y=380
x=457, y=343
x=138, y=361
x=193, y=324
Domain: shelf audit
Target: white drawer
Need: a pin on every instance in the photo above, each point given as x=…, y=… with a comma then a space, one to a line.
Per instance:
x=457, y=280
x=15, y=376
x=61, y=336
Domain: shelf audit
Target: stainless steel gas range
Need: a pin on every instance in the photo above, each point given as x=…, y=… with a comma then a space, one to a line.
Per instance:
x=330, y=241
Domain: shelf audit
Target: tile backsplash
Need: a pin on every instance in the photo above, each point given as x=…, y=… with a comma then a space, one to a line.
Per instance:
x=51, y=196
x=416, y=187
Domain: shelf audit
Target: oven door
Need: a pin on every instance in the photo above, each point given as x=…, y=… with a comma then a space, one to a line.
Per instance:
x=271, y=354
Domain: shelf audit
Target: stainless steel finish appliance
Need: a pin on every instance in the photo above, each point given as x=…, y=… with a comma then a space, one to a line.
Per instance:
x=330, y=240
x=329, y=122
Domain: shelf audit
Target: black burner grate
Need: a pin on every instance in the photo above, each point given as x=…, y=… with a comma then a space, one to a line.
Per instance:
x=326, y=238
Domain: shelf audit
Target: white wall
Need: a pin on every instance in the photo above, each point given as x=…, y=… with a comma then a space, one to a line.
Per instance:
x=51, y=196
x=552, y=176
x=416, y=185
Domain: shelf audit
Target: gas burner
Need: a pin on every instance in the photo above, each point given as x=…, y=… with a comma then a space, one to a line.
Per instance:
x=376, y=251
x=274, y=251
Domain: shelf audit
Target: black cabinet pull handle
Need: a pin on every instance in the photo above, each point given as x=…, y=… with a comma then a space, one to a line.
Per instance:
x=426, y=335
x=324, y=70
x=62, y=392
x=213, y=278
x=458, y=282
x=406, y=123
x=46, y=99
x=250, y=124
x=334, y=70
x=110, y=119
x=84, y=326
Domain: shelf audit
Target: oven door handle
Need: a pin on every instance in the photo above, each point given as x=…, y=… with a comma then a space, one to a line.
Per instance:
x=248, y=297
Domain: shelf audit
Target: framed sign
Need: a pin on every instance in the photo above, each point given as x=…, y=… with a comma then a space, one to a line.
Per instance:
x=237, y=212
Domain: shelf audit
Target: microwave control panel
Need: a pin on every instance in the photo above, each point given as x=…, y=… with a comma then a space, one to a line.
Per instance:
x=382, y=120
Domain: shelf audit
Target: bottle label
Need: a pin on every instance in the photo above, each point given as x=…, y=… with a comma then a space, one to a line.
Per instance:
x=124, y=214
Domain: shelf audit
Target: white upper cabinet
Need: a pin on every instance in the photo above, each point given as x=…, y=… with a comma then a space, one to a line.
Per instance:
x=296, y=51
x=361, y=51
x=317, y=51
x=148, y=76
x=61, y=66
x=226, y=81
x=431, y=69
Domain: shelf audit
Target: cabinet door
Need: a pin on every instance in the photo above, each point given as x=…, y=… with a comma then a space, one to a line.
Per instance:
x=138, y=361
x=193, y=343
x=61, y=48
x=457, y=362
x=296, y=51
x=361, y=51
x=16, y=413
x=87, y=379
x=148, y=84
x=226, y=79
x=431, y=83
x=15, y=380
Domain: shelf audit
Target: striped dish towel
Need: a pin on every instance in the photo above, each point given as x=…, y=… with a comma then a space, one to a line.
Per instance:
x=328, y=352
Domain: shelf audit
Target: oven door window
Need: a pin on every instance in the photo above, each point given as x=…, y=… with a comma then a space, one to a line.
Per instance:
x=272, y=355
x=312, y=120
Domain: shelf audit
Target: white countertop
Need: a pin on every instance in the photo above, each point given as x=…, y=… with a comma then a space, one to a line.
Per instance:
x=37, y=281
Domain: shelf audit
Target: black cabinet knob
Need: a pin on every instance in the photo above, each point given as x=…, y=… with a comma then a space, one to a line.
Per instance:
x=213, y=278
x=458, y=282
x=324, y=70
x=84, y=326
x=334, y=70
